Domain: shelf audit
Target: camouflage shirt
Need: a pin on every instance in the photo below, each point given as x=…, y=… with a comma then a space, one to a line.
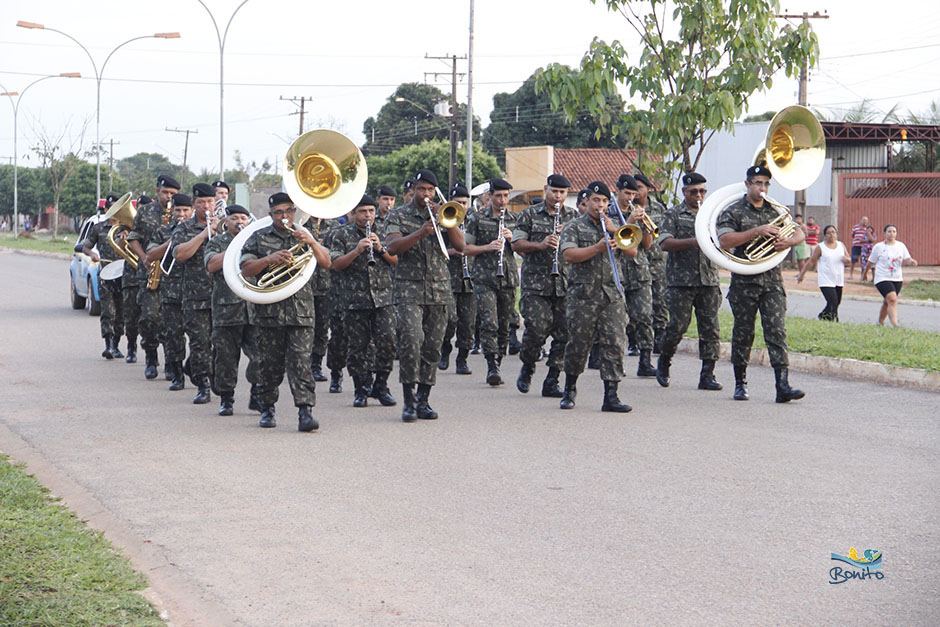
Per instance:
x=364, y=286
x=98, y=236
x=148, y=219
x=535, y=224
x=228, y=309
x=741, y=216
x=298, y=310
x=320, y=282
x=590, y=278
x=483, y=228
x=197, y=286
x=689, y=267
x=654, y=254
x=171, y=285
x=421, y=275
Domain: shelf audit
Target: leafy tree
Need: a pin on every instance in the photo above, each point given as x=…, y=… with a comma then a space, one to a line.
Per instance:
x=78, y=194
x=140, y=172
x=34, y=190
x=395, y=168
x=697, y=68
x=526, y=118
x=57, y=151
x=766, y=116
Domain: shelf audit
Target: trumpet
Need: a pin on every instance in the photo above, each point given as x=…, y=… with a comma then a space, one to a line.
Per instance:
x=648, y=224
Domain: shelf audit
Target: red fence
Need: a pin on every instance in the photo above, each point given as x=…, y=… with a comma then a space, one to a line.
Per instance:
x=909, y=200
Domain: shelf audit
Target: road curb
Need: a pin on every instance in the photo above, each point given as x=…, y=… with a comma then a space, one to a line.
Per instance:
x=871, y=299
x=36, y=253
x=882, y=374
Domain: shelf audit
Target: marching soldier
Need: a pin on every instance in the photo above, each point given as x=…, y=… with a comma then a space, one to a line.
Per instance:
x=461, y=316
x=692, y=283
x=737, y=225
x=421, y=291
x=494, y=275
x=408, y=191
x=656, y=257
x=595, y=299
x=363, y=267
x=129, y=289
x=582, y=201
x=284, y=330
x=385, y=202
x=320, y=285
x=222, y=190
x=338, y=345
x=109, y=292
x=231, y=331
x=544, y=283
x=189, y=243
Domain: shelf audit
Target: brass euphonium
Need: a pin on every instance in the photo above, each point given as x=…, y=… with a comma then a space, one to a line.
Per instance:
x=124, y=212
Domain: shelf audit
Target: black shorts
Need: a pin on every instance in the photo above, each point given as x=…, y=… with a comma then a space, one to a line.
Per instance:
x=856, y=253
x=885, y=287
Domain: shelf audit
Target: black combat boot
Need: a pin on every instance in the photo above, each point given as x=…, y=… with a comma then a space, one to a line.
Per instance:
x=179, y=381
x=658, y=343
x=336, y=381
x=492, y=371
x=305, y=421
x=423, y=409
x=514, y=344
x=550, y=387
x=632, y=349
x=317, y=368
x=460, y=363
x=267, y=417
x=203, y=395
x=645, y=367
x=227, y=406
x=611, y=402
x=408, y=413
x=785, y=393
x=662, y=369
x=571, y=391
x=524, y=382
x=594, y=360
x=380, y=390
x=706, y=380
x=740, y=383
x=253, y=403
x=106, y=353
x=444, y=363
x=115, y=351
x=150, y=371
x=131, y=350
x=361, y=393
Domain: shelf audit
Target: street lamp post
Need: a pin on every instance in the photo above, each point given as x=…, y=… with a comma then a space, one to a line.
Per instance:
x=98, y=76
x=16, y=109
x=222, y=36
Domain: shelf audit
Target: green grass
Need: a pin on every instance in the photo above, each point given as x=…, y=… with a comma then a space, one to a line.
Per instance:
x=920, y=289
x=56, y=571
x=64, y=244
x=898, y=347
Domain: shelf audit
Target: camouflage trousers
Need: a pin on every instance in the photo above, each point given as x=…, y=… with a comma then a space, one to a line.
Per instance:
x=660, y=306
x=495, y=309
x=198, y=325
x=640, y=311
x=514, y=322
x=131, y=310
x=227, y=346
x=544, y=316
x=112, y=308
x=371, y=335
x=338, y=345
x=151, y=324
x=321, y=329
x=174, y=334
x=587, y=316
x=461, y=317
x=706, y=301
x=420, y=334
x=285, y=348
x=771, y=301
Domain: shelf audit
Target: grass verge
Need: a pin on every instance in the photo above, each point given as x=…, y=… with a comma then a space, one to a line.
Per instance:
x=908, y=348
x=54, y=570
x=920, y=289
x=64, y=244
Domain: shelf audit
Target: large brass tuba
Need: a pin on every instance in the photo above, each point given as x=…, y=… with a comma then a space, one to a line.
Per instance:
x=794, y=150
x=124, y=212
x=325, y=175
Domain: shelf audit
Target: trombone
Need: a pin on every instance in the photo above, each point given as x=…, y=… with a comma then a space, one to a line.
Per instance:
x=449, y=215
x=628, y=235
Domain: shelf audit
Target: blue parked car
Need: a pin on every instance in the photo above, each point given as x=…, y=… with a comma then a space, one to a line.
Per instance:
x=84, y=273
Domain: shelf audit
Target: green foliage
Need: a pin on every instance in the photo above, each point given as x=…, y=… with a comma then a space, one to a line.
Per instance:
x=699, y=63
x=34, y=191
x=140, y=172
x=920, y=289
x=395, y=168
x=78, y=193
x=766, y=116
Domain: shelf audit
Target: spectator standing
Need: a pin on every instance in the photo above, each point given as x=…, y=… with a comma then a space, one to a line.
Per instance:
x=800, y=251
x=867, y=246
x=830, y=258
x=859, y=235
x=888, y=257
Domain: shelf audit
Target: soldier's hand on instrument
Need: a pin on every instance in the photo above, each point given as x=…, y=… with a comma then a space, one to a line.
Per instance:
x=376, y=243
x=364, y=244
x=95, y=257
x=636, y=215
x=213, y=222
x=551, y=241
x=427, y=229
x=609, y=224
x=496, y=244
x=767, y=230
x=507, y=234
x=280, y=256
x=304, y=235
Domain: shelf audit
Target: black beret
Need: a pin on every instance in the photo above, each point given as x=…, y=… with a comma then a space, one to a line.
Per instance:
x=203, y=190
x=758, y=170
x=459, y=191
x=165, y=180
x=641, y=178
x=558, y=180
x=386, y=190
x=111, y=198
x=693, y=178
x=182, y=200
x=582, y=195
x=426, y=176
x=233, y=209
x=222, y=184
x=408, y=184
x=598, y=187
x=366, y=201
x=280, y=198
x=627, y=182
x=144, y=200
x=497, y=185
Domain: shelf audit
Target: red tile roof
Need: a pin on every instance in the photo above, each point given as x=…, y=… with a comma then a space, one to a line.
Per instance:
x=584, y=165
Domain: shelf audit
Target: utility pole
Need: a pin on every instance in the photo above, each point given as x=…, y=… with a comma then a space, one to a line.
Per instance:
x=452, y=169
x=185, y=149
x=301, y=102
x=111, y=166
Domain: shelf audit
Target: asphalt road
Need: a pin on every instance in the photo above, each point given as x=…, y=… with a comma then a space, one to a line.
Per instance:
x=693, y=509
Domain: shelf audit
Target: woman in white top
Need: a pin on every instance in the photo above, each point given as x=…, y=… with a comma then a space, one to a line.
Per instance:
x=830, y=259
x=887, y=257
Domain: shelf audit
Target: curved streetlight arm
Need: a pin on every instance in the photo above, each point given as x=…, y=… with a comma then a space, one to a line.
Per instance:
x=415, y=105
x=34, y=25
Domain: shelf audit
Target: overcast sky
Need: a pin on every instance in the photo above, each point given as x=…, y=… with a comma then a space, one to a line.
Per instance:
x=349, y=56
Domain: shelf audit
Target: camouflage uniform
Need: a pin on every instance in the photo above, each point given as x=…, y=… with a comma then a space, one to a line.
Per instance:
x=658, y=281
x=461, y=315
x=544, y=296
x=496, y=296
x=171, y=301
x=320, y=285
x=149, y=218
x=692, y=282
x=284, y=330
x=109, y=292
x=231, y=331
x=197, y=301
x=749, y=294
x=130, y=286
x=635, y=277
x=594, y=304
x=338, y=346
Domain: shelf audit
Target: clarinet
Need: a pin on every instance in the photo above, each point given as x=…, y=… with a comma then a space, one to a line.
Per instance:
x=463, y=258
x=502, y=249
x=371, y=261
x=555, y=271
